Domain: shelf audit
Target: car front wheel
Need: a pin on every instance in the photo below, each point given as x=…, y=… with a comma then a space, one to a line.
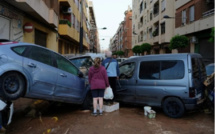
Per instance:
x=12, y=85
x=173, y=107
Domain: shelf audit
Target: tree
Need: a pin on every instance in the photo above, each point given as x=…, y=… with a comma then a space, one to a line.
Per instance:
x=146, y=47
x=120, y=53
x=212, y=35
x=136, y=49
x=178, y=41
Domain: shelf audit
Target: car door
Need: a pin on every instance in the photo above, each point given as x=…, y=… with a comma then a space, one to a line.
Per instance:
x=69, y=86
x=126, y=90
x=38, y=63
x=146, y=87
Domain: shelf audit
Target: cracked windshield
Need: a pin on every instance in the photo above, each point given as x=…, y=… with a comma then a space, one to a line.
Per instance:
x=107, y=66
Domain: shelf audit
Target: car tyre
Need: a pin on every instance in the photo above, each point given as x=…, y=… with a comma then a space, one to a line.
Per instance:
x=12, y=86
x=88, y=102
x=173, y=107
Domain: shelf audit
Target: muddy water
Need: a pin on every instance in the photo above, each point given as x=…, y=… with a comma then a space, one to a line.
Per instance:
x=69, y=119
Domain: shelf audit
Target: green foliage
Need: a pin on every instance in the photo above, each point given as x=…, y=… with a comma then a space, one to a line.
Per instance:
x=178, y=41
x=137, y=49
x=114, y=53
x=146, y=47
x=120, y=53
x=65, y=22
x=212, y=35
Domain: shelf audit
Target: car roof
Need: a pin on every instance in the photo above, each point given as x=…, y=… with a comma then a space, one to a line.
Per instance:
x=157, y=56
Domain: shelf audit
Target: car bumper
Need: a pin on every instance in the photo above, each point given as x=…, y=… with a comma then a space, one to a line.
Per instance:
x=191, y=104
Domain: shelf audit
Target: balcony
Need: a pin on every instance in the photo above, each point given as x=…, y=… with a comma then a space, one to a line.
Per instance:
x=66, y=31
x=38, y=9
x=67, y=3
x=208, y=13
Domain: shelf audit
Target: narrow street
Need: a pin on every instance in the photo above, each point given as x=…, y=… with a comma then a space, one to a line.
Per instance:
x=69, y=119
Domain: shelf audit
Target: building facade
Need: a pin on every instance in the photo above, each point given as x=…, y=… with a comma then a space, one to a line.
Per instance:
x=73, y=28
x=122, y=40
x=149, y=26
x=127, y=33
x=195, y=19
x=30, y=21
x=94, y=42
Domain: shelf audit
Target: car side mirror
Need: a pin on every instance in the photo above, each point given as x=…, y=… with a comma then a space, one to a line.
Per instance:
x=80, y=74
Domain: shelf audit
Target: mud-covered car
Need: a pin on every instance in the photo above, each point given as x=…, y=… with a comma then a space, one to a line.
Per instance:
x=173, y=82
x=83, y=62
x=33, y=71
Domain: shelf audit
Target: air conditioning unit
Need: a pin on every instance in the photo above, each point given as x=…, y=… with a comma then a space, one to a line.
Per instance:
x=193, y=39
x=67, y=10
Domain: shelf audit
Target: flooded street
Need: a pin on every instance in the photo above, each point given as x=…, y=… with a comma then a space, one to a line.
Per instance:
x=69, y=119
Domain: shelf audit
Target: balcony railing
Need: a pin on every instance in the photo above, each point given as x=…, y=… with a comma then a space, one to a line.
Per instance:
x=65, y=22
x=208, y=13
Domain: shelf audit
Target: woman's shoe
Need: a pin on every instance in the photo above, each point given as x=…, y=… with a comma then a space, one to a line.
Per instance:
x=94, y=114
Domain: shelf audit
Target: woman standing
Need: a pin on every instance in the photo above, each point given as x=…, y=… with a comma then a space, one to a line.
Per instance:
x=98, y=82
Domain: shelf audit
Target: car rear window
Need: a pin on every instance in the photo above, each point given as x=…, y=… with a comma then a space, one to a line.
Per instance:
x=19, y=50
x=164, y=70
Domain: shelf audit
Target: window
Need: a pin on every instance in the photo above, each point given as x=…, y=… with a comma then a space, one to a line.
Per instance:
x=150, y=33
x=65, y=65
x=141, y=7
x=162, y=70
x=19, y=50
x=149, y=70
x=163, y=5
x=192, y=13
x=40, y=54
x=156, y=8
x=195, y=69
x=127, y=71
x=151, y=15
x=172, y=70
x=183, y=19
x=145, y=5
x=144, y=36
x=163, y=28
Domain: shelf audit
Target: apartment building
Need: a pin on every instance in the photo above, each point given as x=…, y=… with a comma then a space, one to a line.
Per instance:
x=73, y=27
x=94, y=42
x=33, y=21
x=122, y=40
x=149, y=26
x=127, y=33
x=195, y=19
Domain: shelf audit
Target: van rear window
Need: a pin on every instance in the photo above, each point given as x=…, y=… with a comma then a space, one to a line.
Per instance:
x=164, y=70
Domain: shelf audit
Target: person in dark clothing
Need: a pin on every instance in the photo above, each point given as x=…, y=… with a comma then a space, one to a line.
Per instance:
x=112, y=68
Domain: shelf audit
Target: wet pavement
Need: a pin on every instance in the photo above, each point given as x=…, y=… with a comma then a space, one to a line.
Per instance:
x=69, y=119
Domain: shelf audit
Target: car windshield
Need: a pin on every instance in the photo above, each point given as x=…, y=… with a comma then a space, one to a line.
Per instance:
x=83, y=63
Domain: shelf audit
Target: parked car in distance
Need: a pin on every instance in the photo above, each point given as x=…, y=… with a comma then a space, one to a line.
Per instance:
x=120, y=60
x=173, y=82
x=33, y=71
x=210, y=69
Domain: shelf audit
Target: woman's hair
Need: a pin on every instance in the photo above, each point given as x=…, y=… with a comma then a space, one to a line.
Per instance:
x=97, y=62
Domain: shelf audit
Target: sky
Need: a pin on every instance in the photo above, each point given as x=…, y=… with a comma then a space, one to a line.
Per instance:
x=109, y=14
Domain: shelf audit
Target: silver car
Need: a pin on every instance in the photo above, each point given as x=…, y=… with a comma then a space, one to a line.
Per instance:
x=173, y=82
x=29, y=70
